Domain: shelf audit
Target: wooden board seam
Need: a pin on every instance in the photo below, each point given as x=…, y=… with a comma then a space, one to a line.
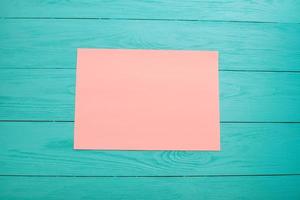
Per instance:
x=222, y=122
x=146, y=19
x=220, y=70
x=159, y=176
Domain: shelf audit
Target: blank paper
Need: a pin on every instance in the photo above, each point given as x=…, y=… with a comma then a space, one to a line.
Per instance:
x=146, y=100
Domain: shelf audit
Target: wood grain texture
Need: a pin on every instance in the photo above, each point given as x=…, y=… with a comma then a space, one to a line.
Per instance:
x=38, y=41
x=46, y=148
x=217, y=10
x=53, y=43
x=248, y=188
x=48, y=94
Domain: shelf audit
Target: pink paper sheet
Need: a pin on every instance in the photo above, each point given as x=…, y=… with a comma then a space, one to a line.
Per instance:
x=147, y=100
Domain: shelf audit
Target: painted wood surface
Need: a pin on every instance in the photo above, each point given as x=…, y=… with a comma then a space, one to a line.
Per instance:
x=46, y=148
x=48, y=94
x=39, y=43
x=183, y=188
x=259, y=74
x=217, y=10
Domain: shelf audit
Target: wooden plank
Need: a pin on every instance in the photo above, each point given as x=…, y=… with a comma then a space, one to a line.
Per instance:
x=46, y=148
x=150, y=188
x=258, y=11
x=53, y=43
x=48, y=94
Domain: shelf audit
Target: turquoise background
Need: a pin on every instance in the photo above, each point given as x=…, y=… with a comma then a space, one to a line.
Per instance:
x=259, y=47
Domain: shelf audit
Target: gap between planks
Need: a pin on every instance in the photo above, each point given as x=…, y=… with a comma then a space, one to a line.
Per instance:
x=168, y=176
x=145, y=19
x=222, y=122
x=220, y=70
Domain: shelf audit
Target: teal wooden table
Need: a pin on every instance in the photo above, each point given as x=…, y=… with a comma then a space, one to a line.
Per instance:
x=259, y=46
